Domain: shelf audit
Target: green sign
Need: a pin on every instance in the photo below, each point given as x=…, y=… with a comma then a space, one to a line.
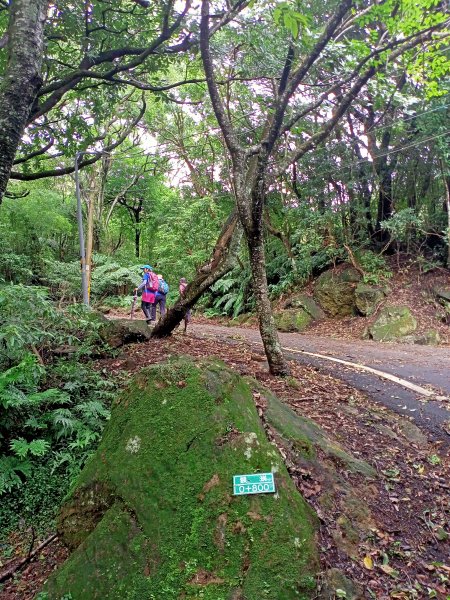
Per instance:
x=260, y=483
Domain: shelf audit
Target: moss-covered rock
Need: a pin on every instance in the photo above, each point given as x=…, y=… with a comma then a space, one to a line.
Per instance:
x=306, y=303
x=325, y=465
x=335, y=292
x=442, y=293
x=153, y=515
x=292, y=320
x=367, y=298
x=118, y=332
x=393, y=323
x=430, y=337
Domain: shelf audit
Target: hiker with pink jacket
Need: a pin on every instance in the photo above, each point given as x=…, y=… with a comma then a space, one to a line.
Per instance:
x=149, y=287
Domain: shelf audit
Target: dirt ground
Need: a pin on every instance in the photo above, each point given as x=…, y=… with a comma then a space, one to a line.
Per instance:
x=402, y=551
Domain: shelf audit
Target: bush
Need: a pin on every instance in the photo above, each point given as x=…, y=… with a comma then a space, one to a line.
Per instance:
x=374, y=266
x=52, y=411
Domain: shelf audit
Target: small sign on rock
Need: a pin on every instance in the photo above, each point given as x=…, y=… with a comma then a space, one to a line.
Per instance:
x=259, y=483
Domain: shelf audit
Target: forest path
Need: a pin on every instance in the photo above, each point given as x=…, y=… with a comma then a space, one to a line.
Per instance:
x=420, y=365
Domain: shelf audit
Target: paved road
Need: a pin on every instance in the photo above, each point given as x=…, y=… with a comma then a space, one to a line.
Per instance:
x=422, y=365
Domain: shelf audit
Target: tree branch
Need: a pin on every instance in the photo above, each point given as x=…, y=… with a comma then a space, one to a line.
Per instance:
x=219, y=109
x=84, y=163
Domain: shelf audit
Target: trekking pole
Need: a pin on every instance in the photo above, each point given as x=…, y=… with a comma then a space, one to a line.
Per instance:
x=133, y=304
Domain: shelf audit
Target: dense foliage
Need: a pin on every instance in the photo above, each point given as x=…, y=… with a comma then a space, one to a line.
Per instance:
x=53, y=405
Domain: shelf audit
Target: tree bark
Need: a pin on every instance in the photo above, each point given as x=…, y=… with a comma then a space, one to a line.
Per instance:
x=446, y=181
x=222, y=260
x=267, y=328
x=22, y=78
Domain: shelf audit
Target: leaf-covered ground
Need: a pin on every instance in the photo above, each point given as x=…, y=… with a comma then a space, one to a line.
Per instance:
x=398, y=544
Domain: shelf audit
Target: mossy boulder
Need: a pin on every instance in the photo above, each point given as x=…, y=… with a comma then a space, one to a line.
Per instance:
x=307, y=304
x=430, y=337
x=118, y=332
x=292, y=320
x=153, y=515
x=393, y=322
x=335, y=291
x=324, y=466
x=368, y=297
x=442, y=293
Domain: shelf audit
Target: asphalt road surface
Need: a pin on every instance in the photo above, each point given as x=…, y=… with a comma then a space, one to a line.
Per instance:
x=424, y=366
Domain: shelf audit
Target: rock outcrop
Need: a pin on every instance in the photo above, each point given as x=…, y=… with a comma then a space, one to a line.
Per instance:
x=368, y=298
x=335, y=292
x=153, y=514
x=393, y=323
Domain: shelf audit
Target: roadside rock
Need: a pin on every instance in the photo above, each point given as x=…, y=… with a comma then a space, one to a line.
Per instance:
x=393, y=322
x=442, y=294
x=292, y=320
x=325, y=465
x=368, y=297
x=335, y=580
x=153, y=510
x=335, y=292
x=118, y=332
x=306, y=303
x=429, y=338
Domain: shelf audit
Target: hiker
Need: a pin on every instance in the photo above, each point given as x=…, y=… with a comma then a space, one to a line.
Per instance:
x=182, y=289
x=160, y=298
x=149, y=286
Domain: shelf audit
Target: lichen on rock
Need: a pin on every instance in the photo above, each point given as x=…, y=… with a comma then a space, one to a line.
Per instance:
x=335, y=292
x=164, y=524
x=392, y=323
x=292, y=320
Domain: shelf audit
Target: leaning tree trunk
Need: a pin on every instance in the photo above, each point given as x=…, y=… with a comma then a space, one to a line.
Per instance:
x=22, y=78
x=223, y=260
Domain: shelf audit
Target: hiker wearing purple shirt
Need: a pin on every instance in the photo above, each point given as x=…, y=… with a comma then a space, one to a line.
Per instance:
x=182, y=290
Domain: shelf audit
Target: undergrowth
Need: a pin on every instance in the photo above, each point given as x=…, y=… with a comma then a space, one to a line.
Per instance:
x=53, y=407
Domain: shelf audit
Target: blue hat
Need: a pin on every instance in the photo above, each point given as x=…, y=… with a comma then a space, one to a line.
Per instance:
x=147, y=267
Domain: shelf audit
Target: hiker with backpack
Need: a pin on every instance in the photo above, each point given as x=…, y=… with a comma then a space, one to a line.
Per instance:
x=182, y=290
x=160, y=298
x=149, y=287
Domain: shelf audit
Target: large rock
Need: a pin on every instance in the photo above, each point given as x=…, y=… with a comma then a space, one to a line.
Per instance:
x=153, y=515
x=306, y=303
x=292, y=320
x=393, y=322
x=430, y=337
x=442, y=293
x=335, y=292
x=118, y=332
x=368, y=297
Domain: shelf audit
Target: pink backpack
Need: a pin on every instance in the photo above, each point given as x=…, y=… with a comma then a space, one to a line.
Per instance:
x=154, y=282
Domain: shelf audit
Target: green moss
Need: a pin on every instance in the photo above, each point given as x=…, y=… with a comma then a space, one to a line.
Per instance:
x=164, y=468
x=392, y=323
x=335, y=292
x=292, y=320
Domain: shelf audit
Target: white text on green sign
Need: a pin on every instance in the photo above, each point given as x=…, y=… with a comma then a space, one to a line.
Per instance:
x=259, y=483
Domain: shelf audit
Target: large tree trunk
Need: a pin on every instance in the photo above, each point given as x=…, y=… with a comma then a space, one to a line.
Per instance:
x=267, y=328
x=251, y=215
x=22, y=78
x=223, y=260
x=137, y=238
